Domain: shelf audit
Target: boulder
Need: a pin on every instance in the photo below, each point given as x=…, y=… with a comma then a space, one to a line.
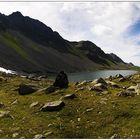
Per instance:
x=48, y=133
x=26, y=89
x=135, y=88
x=5, y=114
x=39, y=136
x=119, y=76
x=100, y=80
x=83, y=83
x=126, y=93
x=94, y=82
x=131, y=88
x=32, y=77
x=97, y=87
x=42, y=77
x=113, y=84
x=14, y=135
x=105, y=92
x=34, y=104
x=78, y=89
x=14, y=102
x=2, y=105
x=100, y=86
x=122, y=79
x=42, y=89
x=2, y=79
x=111, y=78
x=89, y=110
x=50, y=89
x=53, y=106
x=115, y=136
x=76, y=83
x=70, y=96
x=61, y=80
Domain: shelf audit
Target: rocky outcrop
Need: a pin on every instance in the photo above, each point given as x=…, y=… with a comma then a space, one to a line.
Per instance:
x=135, y=88
x=119, y=76
x=26, y=89
x=50, y=89
x=61, y=80
x=100, y=80
x=126, y=93
x=53, y=106
x=69, y=96
x=113, y=84
x=34, y=104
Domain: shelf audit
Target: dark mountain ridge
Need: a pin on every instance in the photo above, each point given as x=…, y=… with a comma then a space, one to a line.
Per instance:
x=29, y=45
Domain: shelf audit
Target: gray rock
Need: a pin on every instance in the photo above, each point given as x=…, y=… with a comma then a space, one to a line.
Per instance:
x=42, y=89
x=83, y=83
x=14, y=135
x=5, y=114
x=48, y=133
x=76, y=83
x=103, y=102
x=42, y=77
x=99, y=86
x=39, y=136
x=119, y=76
x=70, y=96
x=61, y=80
x=50, y=89
x=22, y=137
x=126, y=93
x=53, y=106
x=89, y=110
x=79, y=119
x=122, y=79
x=135, y=88
x=113, y=84
x=100, y=80
x=78, y=89
x=2, y=105
x=26, y=89
x=1, y=131
x=138, y=89
x=131, y=88
x=14, y=102
x=115, y=136
x=2, y=79
x=34, y=104
x=105, y=92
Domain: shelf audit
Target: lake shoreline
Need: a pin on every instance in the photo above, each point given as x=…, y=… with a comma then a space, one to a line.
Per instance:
x=81, y=76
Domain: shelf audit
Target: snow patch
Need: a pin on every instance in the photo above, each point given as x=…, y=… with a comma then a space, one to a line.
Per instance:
x=6, y=71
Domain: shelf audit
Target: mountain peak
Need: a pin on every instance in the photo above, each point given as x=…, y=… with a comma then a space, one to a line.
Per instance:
x=16, y=14
x=116, y=58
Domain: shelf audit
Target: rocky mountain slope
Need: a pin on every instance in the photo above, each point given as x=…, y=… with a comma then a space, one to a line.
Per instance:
x=29, y=45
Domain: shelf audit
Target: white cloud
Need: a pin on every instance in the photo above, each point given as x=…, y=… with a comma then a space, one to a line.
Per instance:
x=101, y=30
x=104, y=23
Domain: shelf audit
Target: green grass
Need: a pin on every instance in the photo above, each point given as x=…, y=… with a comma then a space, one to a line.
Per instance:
x=120, y=115
x=14, y=43
x=35, y=47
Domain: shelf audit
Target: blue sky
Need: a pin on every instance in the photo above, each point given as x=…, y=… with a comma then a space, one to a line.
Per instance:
x=113, y=26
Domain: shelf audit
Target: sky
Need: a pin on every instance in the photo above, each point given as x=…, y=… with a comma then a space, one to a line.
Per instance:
x=113, y=26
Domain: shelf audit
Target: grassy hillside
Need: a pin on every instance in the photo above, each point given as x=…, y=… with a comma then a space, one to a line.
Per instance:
x=91, y=115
